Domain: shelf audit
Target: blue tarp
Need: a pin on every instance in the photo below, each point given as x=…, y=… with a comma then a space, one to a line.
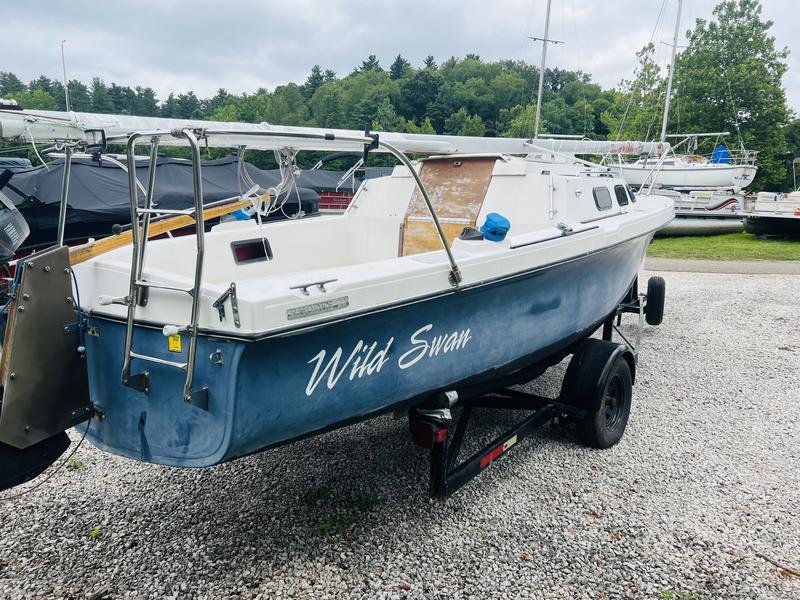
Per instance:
x=721, y=155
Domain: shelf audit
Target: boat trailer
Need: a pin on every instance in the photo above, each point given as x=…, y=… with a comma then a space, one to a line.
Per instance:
x=596, y=394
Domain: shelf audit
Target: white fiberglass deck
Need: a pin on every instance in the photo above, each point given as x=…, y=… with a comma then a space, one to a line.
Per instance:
x=358, y=255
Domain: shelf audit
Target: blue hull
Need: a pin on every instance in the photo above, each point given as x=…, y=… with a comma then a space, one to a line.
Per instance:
x=273, y=390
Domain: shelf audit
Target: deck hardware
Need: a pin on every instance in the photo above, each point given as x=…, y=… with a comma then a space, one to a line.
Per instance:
x=139, y=381
x=83, y=411
x=142, y=294
x=26, y=296
x=219, y=304
x=47, y=268
x=216, y=358
x=565, y=229
x=21, y=308
x=198, y=398
x=71, y=328
x=13, y=376
x=320, y=285
x=105, y=300
x=93, y=331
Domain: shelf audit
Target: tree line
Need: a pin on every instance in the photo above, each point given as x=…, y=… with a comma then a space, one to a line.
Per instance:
x=728, y=78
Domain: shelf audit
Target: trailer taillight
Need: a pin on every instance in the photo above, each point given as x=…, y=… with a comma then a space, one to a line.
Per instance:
x=426, y=433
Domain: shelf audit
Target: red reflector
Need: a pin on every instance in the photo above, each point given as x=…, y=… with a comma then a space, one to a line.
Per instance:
x=440, y=435
x=491, y=456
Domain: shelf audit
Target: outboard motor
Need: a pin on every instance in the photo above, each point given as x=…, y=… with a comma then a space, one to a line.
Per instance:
x=13, y=227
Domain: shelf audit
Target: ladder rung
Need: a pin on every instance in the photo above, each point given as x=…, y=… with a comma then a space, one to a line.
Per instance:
x=164, y=211
x=161, y=286
x=160, y=361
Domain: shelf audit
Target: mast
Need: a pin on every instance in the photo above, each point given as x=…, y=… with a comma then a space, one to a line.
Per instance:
x=541, y=71
x=671, y=72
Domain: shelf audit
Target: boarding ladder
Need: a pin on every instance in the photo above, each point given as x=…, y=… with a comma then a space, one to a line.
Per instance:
x=139, y=286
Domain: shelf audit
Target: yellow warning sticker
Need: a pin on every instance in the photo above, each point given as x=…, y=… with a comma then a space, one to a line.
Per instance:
x=509, y=443
x=174, y=342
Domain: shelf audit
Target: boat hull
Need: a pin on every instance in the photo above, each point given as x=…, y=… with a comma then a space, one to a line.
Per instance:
x=683, y=225
x=777, y=225
x=718, y=176
x=269, y=391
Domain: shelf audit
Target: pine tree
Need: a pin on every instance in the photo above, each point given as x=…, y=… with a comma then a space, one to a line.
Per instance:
x=314, y=81
x=399, y=67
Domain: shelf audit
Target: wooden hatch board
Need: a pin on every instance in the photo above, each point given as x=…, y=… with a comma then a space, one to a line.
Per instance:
x=457, y=188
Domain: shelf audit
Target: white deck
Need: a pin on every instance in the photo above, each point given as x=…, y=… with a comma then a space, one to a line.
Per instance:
x=358, y=252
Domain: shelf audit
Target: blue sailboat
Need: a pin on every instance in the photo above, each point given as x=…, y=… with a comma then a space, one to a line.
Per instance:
x=471, y=266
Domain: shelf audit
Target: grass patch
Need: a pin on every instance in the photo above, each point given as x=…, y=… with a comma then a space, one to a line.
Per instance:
x=75, y=464
x=731, y=246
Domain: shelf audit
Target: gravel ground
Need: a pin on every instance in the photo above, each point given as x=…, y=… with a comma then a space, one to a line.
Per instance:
x=706, y=478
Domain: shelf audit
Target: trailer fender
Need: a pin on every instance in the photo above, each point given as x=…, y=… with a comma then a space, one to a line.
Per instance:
x=589, y=369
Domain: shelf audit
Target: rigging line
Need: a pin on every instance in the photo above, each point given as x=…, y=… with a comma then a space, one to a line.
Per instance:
x=631, y=95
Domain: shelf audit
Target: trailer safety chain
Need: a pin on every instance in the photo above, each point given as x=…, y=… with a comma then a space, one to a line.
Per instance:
x=53, y=473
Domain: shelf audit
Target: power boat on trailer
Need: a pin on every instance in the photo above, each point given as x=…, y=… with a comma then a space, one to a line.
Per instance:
x=477, y=266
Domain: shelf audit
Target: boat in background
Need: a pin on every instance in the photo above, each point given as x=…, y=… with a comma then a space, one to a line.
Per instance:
x=723, y=169
x=704, y=212
x=774, y=214
x=99, y=201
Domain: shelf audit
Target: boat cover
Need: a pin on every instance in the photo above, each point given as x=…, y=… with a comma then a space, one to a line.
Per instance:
x=99, y=197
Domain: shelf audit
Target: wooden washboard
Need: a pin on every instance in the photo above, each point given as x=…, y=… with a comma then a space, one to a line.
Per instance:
x=457, y=187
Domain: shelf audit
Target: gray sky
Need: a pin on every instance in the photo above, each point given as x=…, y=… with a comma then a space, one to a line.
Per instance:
x=241, y=45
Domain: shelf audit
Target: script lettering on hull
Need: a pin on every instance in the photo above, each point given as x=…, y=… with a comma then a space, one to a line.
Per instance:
x=366, y=359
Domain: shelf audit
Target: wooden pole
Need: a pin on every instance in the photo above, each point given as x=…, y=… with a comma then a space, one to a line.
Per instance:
x=79, y=254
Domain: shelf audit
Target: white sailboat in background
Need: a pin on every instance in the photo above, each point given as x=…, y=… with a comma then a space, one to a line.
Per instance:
x=723, y=170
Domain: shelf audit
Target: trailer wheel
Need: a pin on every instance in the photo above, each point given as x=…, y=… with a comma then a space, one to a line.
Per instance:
x=656, y=291
x=603, y=427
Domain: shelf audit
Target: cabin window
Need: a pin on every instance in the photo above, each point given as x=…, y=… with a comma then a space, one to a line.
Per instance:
x=602, y=198
x=621, y=194
x=631, y=193
x=249, y=251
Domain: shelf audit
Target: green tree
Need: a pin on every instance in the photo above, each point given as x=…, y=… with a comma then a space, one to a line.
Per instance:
x=635, y=111
x=429, y=62
x=417, y=92
x=400, y=67
x=371, y=64
x=101, y=101
x=731, y=73
x=462, y=123
x=10, y=84
x=313, y=82
x=80, y=100
x=36, y=99
x=387, y=119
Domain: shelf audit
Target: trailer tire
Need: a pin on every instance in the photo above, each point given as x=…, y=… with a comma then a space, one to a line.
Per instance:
x=603, y=427
x=656, y=292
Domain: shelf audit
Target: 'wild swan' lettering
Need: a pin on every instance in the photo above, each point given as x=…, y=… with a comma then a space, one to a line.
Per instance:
x=439, y=344
x=365, y=359
x=363, y=363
